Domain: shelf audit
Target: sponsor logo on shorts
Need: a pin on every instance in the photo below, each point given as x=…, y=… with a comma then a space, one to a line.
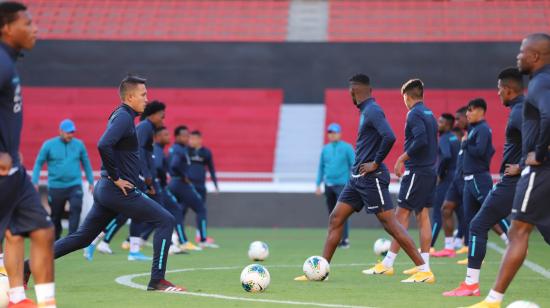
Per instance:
x=514, y=211
x=372, y=207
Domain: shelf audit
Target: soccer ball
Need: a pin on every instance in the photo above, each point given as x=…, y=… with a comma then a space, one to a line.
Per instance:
x=258, y=251
x=316, y=268
x=4, y=287
x=255, y=278
x=522, y=304
x=381, y=246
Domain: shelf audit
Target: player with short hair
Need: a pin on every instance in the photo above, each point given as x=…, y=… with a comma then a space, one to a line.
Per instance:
x=498, y=204
x=530, y=208
x=418, y=181
x=21, y=211
x=116, y=191
x=448, y=148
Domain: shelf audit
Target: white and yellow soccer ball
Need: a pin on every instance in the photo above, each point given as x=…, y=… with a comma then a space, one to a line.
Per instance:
x=258, y=251
x=381, y=247
x=316, y=268
x=4, y=288
x=522, y=304
x=255, y=278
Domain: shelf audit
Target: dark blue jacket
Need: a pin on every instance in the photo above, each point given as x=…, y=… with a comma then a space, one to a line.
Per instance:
x=375, y=137
x=118, y=146
x=512, y=146
x=536, y=115
x=145, y=131
x=478, y=149
x=448, y=149
x=161, y=164
x=201, y=159
x=11, y=104
x=179, y=161
x=420, y=137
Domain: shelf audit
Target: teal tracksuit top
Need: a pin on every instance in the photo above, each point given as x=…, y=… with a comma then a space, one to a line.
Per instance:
x=63, y=160
x=335, y=164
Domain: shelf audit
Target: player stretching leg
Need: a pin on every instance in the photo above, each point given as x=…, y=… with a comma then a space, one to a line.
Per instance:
x=419, y=179
x=115, y=192
x=530, y=207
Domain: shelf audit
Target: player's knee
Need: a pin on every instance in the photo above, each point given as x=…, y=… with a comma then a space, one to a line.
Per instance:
x=167, y=219
x=335, y=220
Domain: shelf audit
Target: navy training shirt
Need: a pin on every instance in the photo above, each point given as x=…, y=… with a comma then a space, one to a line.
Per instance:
x=375, y=137
x=200, y=159
x=420, y=137
x=11, y=104
x=179, y=161
x=161, y=164
x=447, y=155
x=478, y=149
x=536, y=115
x=118, y=146
x=512, y=146
x=145, y=131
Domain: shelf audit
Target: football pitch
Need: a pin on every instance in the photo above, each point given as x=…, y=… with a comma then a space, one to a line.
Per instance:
x=212, y=276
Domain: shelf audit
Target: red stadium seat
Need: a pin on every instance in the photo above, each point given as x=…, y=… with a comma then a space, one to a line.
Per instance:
x=239, y=125
x=427, y=21
x=162, y=20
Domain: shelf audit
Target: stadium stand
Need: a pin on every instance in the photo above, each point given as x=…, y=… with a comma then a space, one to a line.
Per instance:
x=240, y=125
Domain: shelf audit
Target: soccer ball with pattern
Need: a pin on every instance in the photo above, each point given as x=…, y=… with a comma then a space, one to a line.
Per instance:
x=258, y=251
x=316, y=268
x=255, y=278
x=381, y=246
x=523, y=304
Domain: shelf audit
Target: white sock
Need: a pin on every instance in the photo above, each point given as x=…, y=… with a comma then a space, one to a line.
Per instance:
x=448, y=243
x=389, y=259
x=458, y=243
x=45, y=295
x=135, y=244
x=17, y=294
x=426, y=258
x=98, y=238
x=423, y=268
x=472, y=276
x=1, y=259
x=504, y=237
x=494, y=297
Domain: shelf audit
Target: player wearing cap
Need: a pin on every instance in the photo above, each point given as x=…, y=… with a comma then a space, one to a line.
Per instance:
x=337, y=158
x=64, y=156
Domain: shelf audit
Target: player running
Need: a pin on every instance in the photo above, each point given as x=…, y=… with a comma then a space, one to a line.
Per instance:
x=368, y=186
x=498, y=204
x=530, y=207
x=419, y=179
x=116, y=191
x=21, y=211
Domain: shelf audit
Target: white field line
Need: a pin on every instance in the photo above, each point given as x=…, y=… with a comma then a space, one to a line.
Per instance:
x=529, y=264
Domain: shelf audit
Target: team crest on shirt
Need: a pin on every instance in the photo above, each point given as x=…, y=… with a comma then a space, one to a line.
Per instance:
x=17, y=98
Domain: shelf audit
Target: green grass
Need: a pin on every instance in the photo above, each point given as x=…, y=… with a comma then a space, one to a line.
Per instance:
x=92, y=284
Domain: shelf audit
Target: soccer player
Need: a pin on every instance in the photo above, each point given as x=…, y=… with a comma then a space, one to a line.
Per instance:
x=201, y=159
x=530, y=207
x=64, y=155
x=116, y=193
x=21, y=211
x=447, y=155
x=368, y=185
x=337, y=158
x=477, y=147
x=180, y=185
x=419, y=179
x=498, y=204
x=162, y=139
x=453, y=198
